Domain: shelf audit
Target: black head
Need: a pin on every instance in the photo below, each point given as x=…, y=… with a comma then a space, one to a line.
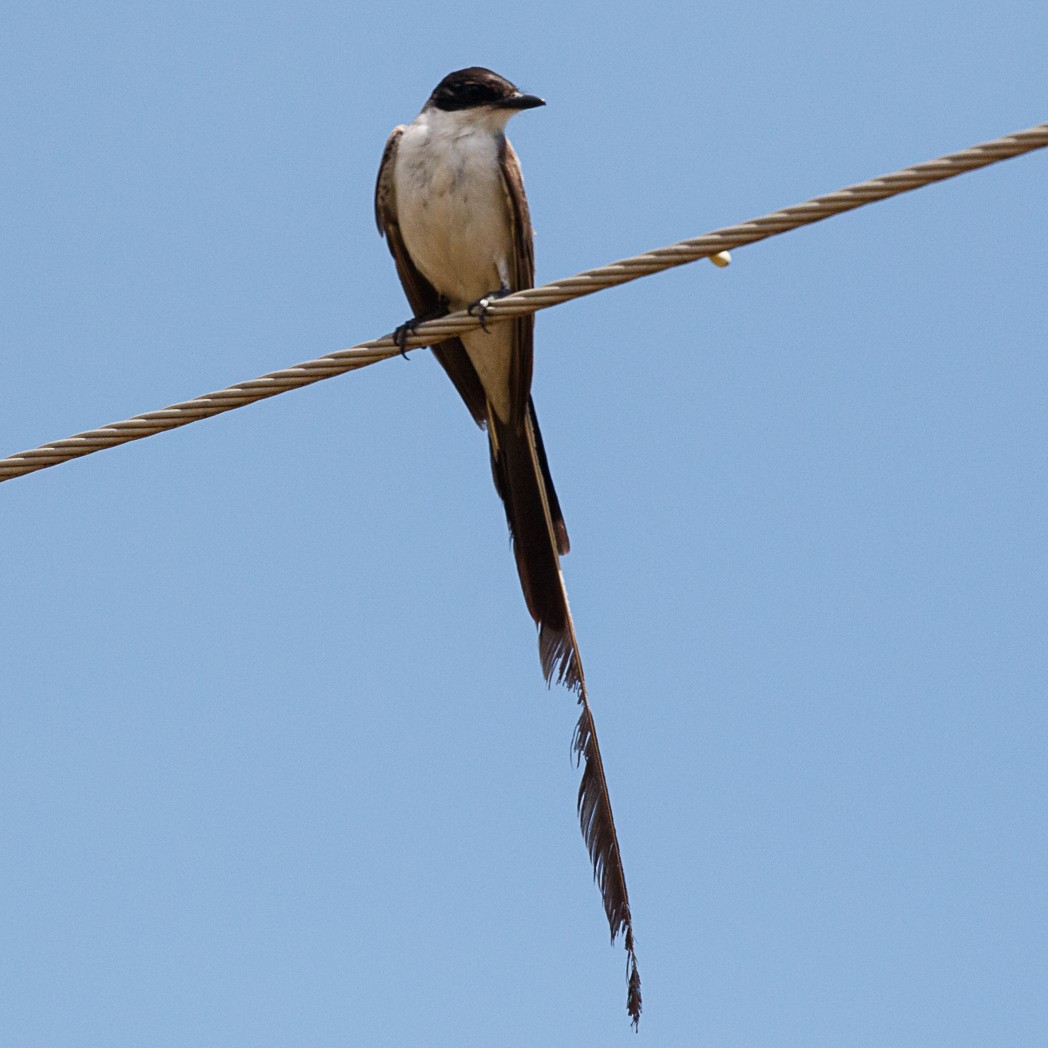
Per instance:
x=475, y=88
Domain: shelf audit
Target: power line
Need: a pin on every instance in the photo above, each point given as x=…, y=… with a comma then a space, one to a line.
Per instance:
x=529, y=301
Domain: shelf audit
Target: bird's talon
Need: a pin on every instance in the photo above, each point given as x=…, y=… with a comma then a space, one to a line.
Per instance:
x=482, y=306
x=479, y=309
x=403, y=333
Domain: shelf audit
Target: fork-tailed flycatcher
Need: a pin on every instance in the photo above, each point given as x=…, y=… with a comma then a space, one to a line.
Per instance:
x=450, y=202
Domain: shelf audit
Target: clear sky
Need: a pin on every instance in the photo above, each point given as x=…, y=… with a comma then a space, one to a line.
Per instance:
x=277, y=763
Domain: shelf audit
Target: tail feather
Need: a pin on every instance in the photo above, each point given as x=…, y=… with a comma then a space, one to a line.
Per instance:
x=523, y=481
x=556, y=516
x=522, y=477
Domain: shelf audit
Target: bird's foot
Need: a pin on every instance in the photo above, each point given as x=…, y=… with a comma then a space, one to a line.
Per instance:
x=482, y=306
x=403, y=333
x=410, y=327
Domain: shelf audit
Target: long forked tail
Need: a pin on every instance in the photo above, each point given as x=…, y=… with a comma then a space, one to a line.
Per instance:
x=522, y=477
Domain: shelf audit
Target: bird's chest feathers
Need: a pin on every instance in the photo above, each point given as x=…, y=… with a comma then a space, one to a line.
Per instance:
x=452, y=210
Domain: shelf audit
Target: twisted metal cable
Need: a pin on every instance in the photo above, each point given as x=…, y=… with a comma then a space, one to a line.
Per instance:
x=529, y=301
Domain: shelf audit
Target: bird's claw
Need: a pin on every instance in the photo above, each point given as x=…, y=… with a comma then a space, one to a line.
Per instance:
x=480, y=310
x=482, y=306
x=403, y=333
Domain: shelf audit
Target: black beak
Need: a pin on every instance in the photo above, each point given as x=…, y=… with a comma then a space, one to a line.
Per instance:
x=521, y=102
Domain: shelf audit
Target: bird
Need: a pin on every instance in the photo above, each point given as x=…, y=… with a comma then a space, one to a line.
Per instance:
x=450, y=201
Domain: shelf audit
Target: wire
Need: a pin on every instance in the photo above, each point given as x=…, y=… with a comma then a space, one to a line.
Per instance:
x=529, y=301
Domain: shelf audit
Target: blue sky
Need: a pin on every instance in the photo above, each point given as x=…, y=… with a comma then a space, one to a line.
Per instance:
x=277, y=764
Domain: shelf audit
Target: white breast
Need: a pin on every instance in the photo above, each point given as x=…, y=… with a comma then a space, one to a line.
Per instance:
x=451, y=205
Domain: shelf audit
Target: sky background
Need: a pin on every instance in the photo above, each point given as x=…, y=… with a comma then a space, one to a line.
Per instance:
x=277, y=763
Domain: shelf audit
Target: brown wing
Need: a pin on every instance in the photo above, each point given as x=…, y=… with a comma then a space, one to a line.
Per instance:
x=522, y=275
x=425, y=302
